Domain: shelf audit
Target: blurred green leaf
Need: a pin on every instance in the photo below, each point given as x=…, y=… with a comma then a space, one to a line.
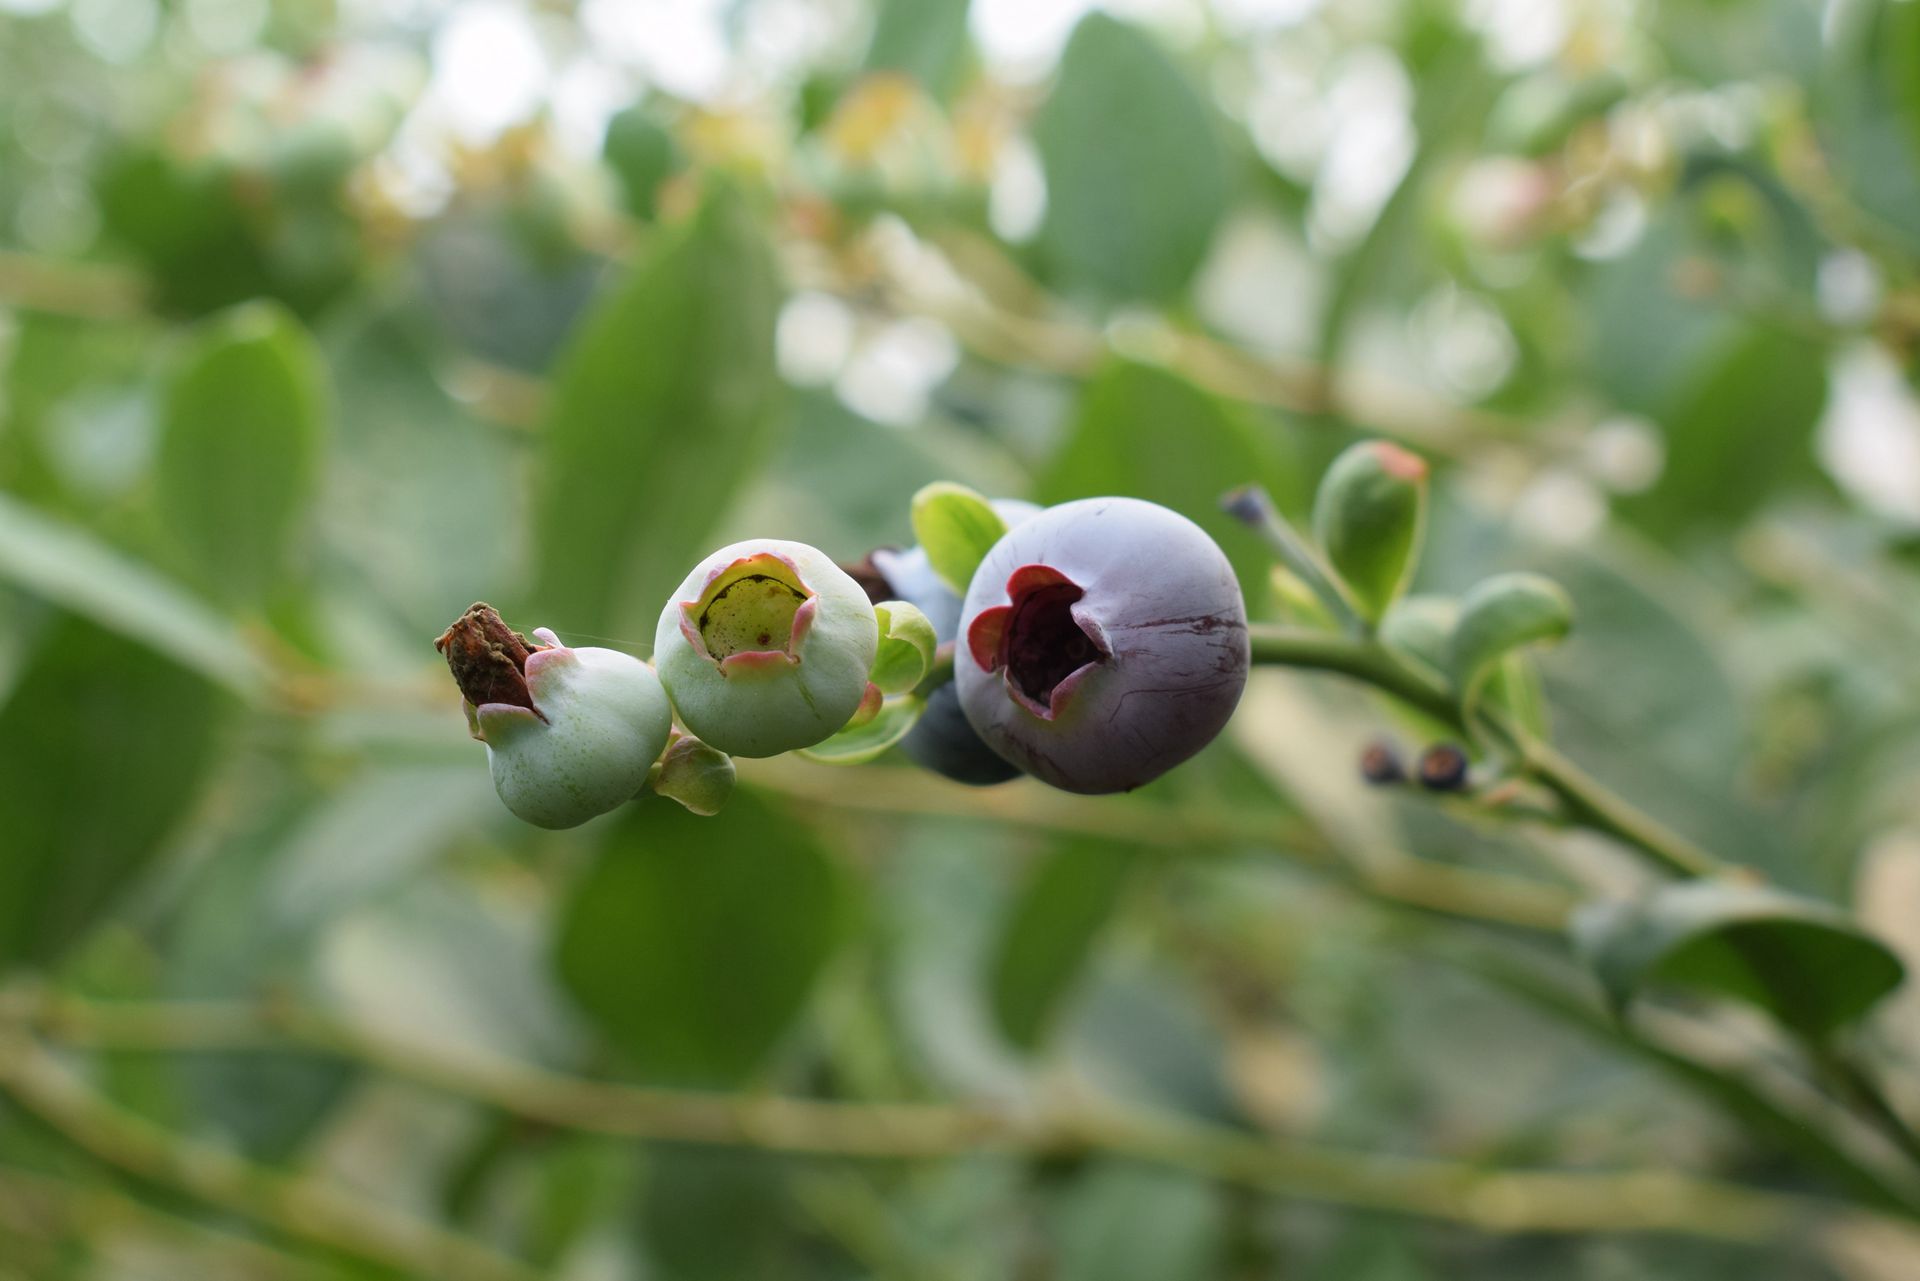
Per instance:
x=693, y=942
x=906, y=650
x=642, y=155
x=858, y=744
x=715, y=1215
x=1454, y=93
x=1136, y=1223
x=211, y=234
x=1498, y=616
x=660, y=414
x=925, y=39
x=1146, y=433
x=423, y=500
x=1750, y=1104
x=223, y=946
x=1807, y=963
x=106, y=745
x=1748, y=410
x=956, y=527
x=188, y=226
x=1136, y=172
x=67, y=566
x=240, y=448
x=1050, y=931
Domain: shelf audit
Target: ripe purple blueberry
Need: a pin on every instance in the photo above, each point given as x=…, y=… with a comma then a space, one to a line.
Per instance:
x=570, y=733
x=765, y=648
x=1102, y=643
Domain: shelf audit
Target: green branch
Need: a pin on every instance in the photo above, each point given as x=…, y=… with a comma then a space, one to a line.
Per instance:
x=298, y=1205
x=1469, y=1193
x=1587, y=800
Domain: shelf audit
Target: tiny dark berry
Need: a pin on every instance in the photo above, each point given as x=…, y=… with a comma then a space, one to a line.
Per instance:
x=1380, y=765
x=1443, y=768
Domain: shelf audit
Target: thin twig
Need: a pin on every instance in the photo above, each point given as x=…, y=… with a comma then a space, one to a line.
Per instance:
x=83, y=291
x=300, y=1206
x=36, y=1203
x=1465, y=893
x=1586, y=799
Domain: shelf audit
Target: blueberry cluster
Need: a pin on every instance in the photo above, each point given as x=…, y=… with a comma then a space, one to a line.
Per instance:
x=1097, y=645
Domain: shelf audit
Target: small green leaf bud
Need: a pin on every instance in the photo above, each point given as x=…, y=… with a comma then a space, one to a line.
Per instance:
x=1369, y=517
x=697, y=776
x=1498, y=616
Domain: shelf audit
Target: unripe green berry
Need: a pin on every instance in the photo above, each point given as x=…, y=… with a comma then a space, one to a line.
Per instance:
x=766, y=647
x=570, y=733
x=1368, y=518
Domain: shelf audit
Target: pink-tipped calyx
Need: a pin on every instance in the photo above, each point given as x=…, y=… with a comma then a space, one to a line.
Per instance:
x=1041, y=640
x=753, y=613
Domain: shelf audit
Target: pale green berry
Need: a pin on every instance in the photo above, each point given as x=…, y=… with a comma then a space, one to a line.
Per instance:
x=766, y=647
x=570, y=733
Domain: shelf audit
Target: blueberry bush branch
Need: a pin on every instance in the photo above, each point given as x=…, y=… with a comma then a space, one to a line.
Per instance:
x=1468, y=1193
x=1586, y=800
x=1094, y=646
x=300, y=1206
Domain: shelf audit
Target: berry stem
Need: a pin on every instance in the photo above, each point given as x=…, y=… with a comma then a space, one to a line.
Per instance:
x=1253, y=506
x=1587, y=800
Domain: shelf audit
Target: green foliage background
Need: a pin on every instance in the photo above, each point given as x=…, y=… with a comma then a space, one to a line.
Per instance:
x=291, y=370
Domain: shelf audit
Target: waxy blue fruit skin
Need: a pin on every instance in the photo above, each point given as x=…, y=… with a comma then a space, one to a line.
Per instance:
x=570, y=733
x=765, y=647
x=942, y=740
x=1102, y=643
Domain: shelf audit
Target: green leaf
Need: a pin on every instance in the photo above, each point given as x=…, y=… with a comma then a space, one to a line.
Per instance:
x=1514, y=686
x=1453, y=94
x=1746, y=409
x=241, y=444
x=1805, y=962
x=105, y=745
x=1050, y=933
x=1867, y=110
x=1136, y=171
x=1139, y=1223
x=907, y=643
x=660, y=413
x=858, y=744
x=716, y=1214
x=693, y=943
x=1745, y=1100
x=1122, y=442
x=694, y=775
x=642, y=155
x=188, y=227
x=925, y=39
x=1421, y=628
x=1498, y=616
x=66, y=565
x=956, y=527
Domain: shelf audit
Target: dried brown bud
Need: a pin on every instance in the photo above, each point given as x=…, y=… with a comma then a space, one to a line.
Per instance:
x=1443, y=768
x=871, y=580
x=1380, y=764
x=488, y=658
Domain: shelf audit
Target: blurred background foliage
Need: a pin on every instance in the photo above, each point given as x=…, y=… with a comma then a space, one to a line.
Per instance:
x=321, y=318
